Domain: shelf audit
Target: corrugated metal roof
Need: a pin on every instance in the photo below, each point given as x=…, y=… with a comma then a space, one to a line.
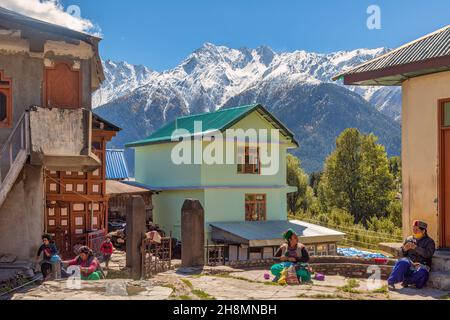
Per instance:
x=270, y=233
x=431, y=46
x=219, y=120
x=118, y=187
x=8, y=15
x=116, y=166
x=108, y=124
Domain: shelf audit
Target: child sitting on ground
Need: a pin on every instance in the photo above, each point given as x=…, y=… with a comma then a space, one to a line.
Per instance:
x=51, y=262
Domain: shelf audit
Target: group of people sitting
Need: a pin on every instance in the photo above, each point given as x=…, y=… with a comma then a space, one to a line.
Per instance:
x=411, y=270
x=52, y=266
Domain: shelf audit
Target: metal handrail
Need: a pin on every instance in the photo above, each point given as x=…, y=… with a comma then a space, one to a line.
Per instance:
x=23, y=127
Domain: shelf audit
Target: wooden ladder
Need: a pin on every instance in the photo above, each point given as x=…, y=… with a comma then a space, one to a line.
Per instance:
x=13, y=155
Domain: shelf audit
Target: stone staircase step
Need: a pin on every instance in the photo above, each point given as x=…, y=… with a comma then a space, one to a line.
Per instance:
x=441, y=261
x=440, y=280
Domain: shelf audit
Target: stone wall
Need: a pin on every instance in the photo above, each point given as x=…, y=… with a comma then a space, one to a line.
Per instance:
x=352, y=267
x=22, y=215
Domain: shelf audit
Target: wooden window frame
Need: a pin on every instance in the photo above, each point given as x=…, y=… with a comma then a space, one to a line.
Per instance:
x=255, y=202
x=6, y=88
x=250, y=168
x=441, y=172
x=70, y=65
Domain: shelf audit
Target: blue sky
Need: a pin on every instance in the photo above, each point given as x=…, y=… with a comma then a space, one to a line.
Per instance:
x=159, y=34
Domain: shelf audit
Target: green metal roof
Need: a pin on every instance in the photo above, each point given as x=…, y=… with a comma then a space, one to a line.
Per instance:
x=219, y=120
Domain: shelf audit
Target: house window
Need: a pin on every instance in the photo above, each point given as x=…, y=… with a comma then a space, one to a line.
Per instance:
x=322, y=250
x=446, y=114
x=5, y=102
x=248, y=160
x=311, y=250
x=255, y=207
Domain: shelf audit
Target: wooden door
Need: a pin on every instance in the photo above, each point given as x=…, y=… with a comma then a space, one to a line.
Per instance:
x=58, y=225
x=62, y=87
x=444, y=173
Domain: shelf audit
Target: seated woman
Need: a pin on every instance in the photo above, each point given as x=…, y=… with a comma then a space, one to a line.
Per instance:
x=292, y=253
x=89, y=265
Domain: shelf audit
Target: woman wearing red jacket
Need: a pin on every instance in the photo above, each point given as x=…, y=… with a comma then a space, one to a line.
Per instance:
x=88, y=263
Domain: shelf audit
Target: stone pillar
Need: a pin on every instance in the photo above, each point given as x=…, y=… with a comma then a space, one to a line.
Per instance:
x=192, y=234
x=135, y=232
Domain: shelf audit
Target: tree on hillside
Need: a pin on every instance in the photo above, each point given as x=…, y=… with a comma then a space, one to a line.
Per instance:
x=395, y=167
x=377, y=188
x=357, y=177
x=341, y=179
x=314, y=180
x=296, y=177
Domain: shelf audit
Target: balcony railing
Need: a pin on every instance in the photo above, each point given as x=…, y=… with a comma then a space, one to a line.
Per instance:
x=16, y=142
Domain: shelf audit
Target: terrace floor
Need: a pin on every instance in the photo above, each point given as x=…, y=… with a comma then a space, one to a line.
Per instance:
x=217, y=283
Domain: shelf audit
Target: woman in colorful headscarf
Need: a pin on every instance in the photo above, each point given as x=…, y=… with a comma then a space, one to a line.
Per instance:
x=292, y=253
x=88, y=263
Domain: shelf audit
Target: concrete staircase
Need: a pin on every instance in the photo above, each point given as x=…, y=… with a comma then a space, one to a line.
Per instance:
x=13, y=155
x=440, y=273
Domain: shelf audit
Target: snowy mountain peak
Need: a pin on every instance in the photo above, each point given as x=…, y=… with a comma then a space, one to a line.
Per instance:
x=213, y=74
x=121, y=79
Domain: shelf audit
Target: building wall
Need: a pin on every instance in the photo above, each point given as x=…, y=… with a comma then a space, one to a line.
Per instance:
x=27, y=73
x=154, y=165
x=228, y=205
x=22, y=215
x=167, y=209
x=224, y=189
x=420, y=149
x=220, y=205
x=223, y=174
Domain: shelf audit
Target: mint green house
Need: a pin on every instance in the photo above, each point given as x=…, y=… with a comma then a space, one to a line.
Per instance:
x=239, y=179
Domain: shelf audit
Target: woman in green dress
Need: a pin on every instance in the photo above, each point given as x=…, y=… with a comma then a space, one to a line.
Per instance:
x=292, y=253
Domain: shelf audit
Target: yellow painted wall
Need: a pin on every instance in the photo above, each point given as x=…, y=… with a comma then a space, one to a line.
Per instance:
x=420, y=149
x=167, y=208
x=220, y=205
x=227, y=175
x=154, y=167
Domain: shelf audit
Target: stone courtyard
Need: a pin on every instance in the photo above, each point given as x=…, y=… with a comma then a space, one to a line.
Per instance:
x=221, y=283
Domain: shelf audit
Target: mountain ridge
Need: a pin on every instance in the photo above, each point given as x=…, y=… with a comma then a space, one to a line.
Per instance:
x=212, y=77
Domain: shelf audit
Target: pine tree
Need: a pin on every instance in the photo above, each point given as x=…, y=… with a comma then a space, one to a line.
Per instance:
x=296, y=177
x=357, y=178
x=377, y=188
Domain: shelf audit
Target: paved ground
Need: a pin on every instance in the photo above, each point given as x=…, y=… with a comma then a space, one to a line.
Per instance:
x=216, y=283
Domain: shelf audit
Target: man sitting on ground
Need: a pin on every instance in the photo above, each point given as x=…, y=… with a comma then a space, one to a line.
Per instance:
x=418, y=251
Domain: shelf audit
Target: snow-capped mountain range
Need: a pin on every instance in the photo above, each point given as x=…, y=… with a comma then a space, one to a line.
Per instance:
x=215, y=74
x=295, y=86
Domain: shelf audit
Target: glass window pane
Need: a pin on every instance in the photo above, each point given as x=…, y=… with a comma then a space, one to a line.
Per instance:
x=3, y=106
x=249, y=197
x=447, y=114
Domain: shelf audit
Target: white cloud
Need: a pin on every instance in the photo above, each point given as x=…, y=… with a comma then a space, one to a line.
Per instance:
x=51, y=11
